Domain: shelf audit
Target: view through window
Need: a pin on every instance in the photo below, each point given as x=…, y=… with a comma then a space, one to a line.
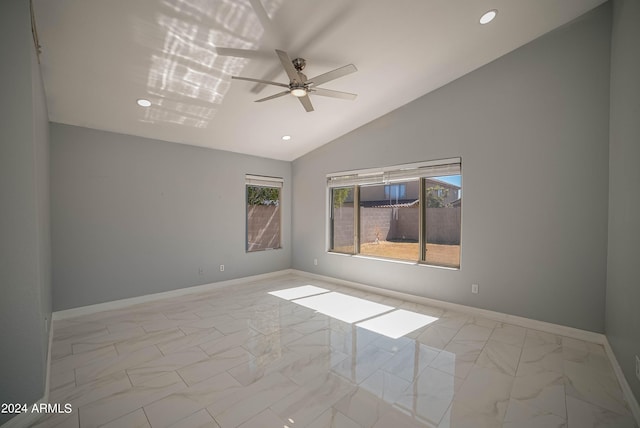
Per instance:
x=442, y=206
x=408, y=212
x=342, y=220
x=390, y=221
x=263, y=213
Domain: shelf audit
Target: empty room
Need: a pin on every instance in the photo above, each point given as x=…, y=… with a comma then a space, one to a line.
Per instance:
x=291, y=213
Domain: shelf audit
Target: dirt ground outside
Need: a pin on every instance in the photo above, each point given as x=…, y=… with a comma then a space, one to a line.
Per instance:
x=440, y=255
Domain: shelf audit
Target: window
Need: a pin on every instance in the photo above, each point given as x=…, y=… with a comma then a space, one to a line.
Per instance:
x=388, y=227
x=395, y=191
x=342, y=220
x=407, y=212
x=442, y=221
x=263, y=196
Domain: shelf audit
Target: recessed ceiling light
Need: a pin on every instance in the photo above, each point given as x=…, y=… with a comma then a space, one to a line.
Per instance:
x=488, y=16
x=143, y=102
x=286, y=137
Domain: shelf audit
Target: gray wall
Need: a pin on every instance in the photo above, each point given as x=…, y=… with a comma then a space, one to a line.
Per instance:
x=623, y=287
x=532, y=125
x=133, y=216
x=25, y=272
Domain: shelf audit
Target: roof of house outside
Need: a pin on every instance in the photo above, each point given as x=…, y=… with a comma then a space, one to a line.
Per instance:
x=386, y=204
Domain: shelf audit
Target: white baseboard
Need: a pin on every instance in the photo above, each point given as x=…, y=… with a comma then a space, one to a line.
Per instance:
x=25, y=420
x=626, y=389
x=119, y=304
x=47, y=379
x=561, y=330
x=497, y=316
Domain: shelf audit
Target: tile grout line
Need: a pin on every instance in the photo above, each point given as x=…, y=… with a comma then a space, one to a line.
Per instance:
x=146, y=416
x=212, y=417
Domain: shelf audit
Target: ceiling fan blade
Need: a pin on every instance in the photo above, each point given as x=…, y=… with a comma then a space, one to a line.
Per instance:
x=260, y=81
x=262, y=15
x=337, y=18
x=306, y=103
x=334, y=94
x=278, y=95
x=332, y=75
x=288, y=65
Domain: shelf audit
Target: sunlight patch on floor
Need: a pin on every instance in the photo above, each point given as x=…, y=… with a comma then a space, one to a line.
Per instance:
x=397, y=323
x=376, y=317
x=343, y=307
x=298, y=292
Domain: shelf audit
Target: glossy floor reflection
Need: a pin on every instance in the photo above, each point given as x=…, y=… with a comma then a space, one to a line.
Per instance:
x=242, y=357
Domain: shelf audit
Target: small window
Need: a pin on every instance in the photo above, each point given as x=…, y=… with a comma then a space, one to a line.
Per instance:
x=395, y=192
x=263, y=213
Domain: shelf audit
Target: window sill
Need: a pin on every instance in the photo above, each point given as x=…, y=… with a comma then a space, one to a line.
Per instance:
x=402, y=262
x=263, y=250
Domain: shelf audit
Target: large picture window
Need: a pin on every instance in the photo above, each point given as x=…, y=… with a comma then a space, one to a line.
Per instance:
x=263, y=196
x=407, y=212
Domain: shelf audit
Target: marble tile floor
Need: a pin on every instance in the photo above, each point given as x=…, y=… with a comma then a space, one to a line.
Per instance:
x=241, y=357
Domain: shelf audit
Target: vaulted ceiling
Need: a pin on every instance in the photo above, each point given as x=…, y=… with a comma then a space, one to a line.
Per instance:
x=98, y=57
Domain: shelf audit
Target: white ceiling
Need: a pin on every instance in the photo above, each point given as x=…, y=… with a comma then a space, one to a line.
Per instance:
x=99, y=56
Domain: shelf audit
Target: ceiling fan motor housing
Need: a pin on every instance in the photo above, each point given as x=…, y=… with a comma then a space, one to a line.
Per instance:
x=299, y=63
x=297, y=87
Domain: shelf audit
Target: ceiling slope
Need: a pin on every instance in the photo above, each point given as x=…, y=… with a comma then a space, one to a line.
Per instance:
x=98, y=57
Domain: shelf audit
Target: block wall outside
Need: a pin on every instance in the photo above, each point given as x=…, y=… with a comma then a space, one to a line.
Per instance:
x=376, y=223
x=404, y=222
x=343, y=226
x=263, y=227
x=389, y=224
x=443, y=226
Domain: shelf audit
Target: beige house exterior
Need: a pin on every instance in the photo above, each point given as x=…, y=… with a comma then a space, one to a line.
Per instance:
x=406, y=192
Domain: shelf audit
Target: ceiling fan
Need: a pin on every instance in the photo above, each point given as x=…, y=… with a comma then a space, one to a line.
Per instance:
x=299, y=86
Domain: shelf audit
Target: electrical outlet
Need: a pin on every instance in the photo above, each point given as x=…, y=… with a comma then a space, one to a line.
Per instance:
x=638, y=367
x=315, y=262
x=221, y=268
x=474, y=288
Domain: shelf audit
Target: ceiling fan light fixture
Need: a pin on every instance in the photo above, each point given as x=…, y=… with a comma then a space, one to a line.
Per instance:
x=286, y=137
x=488, y=16
x=300, y=86
x=298, y=92
x=143, y=102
